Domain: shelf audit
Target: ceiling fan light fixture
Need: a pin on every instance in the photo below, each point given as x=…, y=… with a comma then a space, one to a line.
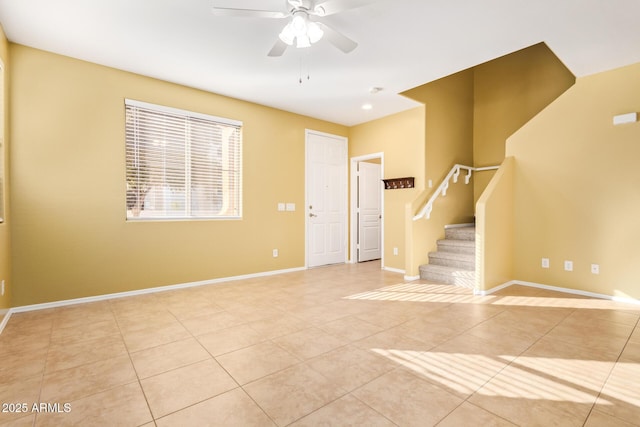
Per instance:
x=301, y=30
x=303, y=41
x=299, y=25
x=287, y=35
x=314, y=32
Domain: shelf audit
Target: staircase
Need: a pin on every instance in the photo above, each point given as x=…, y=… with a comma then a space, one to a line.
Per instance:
x=454, y=262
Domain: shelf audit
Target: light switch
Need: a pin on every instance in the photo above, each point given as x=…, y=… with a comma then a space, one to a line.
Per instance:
x=291, y=207
x=568, y=265
x=281, y=207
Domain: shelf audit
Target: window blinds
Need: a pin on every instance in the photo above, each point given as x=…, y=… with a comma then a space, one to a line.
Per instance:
x=181, y=164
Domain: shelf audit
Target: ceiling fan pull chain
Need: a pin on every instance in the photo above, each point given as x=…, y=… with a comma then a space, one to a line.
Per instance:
x=300, y=73
x=304, y=63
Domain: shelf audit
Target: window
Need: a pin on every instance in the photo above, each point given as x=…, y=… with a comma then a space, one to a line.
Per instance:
x=181, y=165
x=2, y=149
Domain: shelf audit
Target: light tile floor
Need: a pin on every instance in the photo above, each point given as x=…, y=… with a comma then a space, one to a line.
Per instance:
x=341, y=345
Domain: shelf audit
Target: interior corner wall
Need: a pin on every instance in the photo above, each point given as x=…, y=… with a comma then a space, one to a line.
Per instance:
x=401, y=138
x=69, y=234
x=448, y=140
x=5, y=236
x=576, y=188
x=508, y=92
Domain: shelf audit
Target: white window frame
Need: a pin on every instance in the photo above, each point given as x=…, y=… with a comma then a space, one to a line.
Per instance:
x=3, y=150
x=188, y=192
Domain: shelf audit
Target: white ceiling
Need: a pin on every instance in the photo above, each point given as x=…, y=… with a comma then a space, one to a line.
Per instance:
x=402, y=44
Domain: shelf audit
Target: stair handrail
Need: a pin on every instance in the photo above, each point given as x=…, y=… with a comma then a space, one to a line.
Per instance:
x=444, y=186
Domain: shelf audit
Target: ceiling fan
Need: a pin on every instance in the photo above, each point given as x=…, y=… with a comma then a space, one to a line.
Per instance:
x=303, y=29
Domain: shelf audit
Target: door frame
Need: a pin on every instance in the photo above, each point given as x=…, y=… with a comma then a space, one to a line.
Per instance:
x=345, y=178
x=354, y=203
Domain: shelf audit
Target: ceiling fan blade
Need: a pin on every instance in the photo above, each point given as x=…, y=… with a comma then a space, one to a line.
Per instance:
x=338, y=39
x=278, y=48
x=247, y=13
x=331, y=7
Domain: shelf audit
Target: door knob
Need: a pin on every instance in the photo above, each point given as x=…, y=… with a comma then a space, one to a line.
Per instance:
x=311, y=215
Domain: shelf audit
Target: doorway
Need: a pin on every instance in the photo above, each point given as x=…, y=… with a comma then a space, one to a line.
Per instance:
x=367, y=206
x=326, y=198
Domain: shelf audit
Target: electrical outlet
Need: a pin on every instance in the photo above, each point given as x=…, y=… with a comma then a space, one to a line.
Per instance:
x=568, y=266
x=595, y=269
x=545, y=262
x=395, y=251
x=275, y=253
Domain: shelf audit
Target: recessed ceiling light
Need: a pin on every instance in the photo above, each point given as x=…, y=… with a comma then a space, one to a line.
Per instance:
x=367, y=106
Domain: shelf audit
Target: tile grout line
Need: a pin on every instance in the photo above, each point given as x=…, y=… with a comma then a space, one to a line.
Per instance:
x=510, y=363
x=303, y=361
x=604, y=383
x=115, y=316
x=44, y=367
x=44, y=373
x=239, y=386
x=350, y=393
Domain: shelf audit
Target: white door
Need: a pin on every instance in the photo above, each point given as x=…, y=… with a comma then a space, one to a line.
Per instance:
x=326, y=210
x=369, y=187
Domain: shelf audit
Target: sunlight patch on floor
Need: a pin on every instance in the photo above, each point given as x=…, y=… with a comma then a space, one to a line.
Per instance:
x=463, y=373
x=623, y=384
x=425, y=288
x=421, y=292
x=420, y=297
x=534, y=378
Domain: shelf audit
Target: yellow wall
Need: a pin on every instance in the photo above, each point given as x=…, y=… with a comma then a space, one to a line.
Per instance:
x=448, y=140
x=70, y=237
x=470, y=115
x=401, y=138
x=5, y=243
x=508, y=92
x=576, y=188
x=494, y=230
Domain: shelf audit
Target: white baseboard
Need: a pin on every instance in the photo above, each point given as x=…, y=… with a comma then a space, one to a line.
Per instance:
x=6, y=313
x=393, y=270
x=557, y=289
x=104, y=297
x=484, y=293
